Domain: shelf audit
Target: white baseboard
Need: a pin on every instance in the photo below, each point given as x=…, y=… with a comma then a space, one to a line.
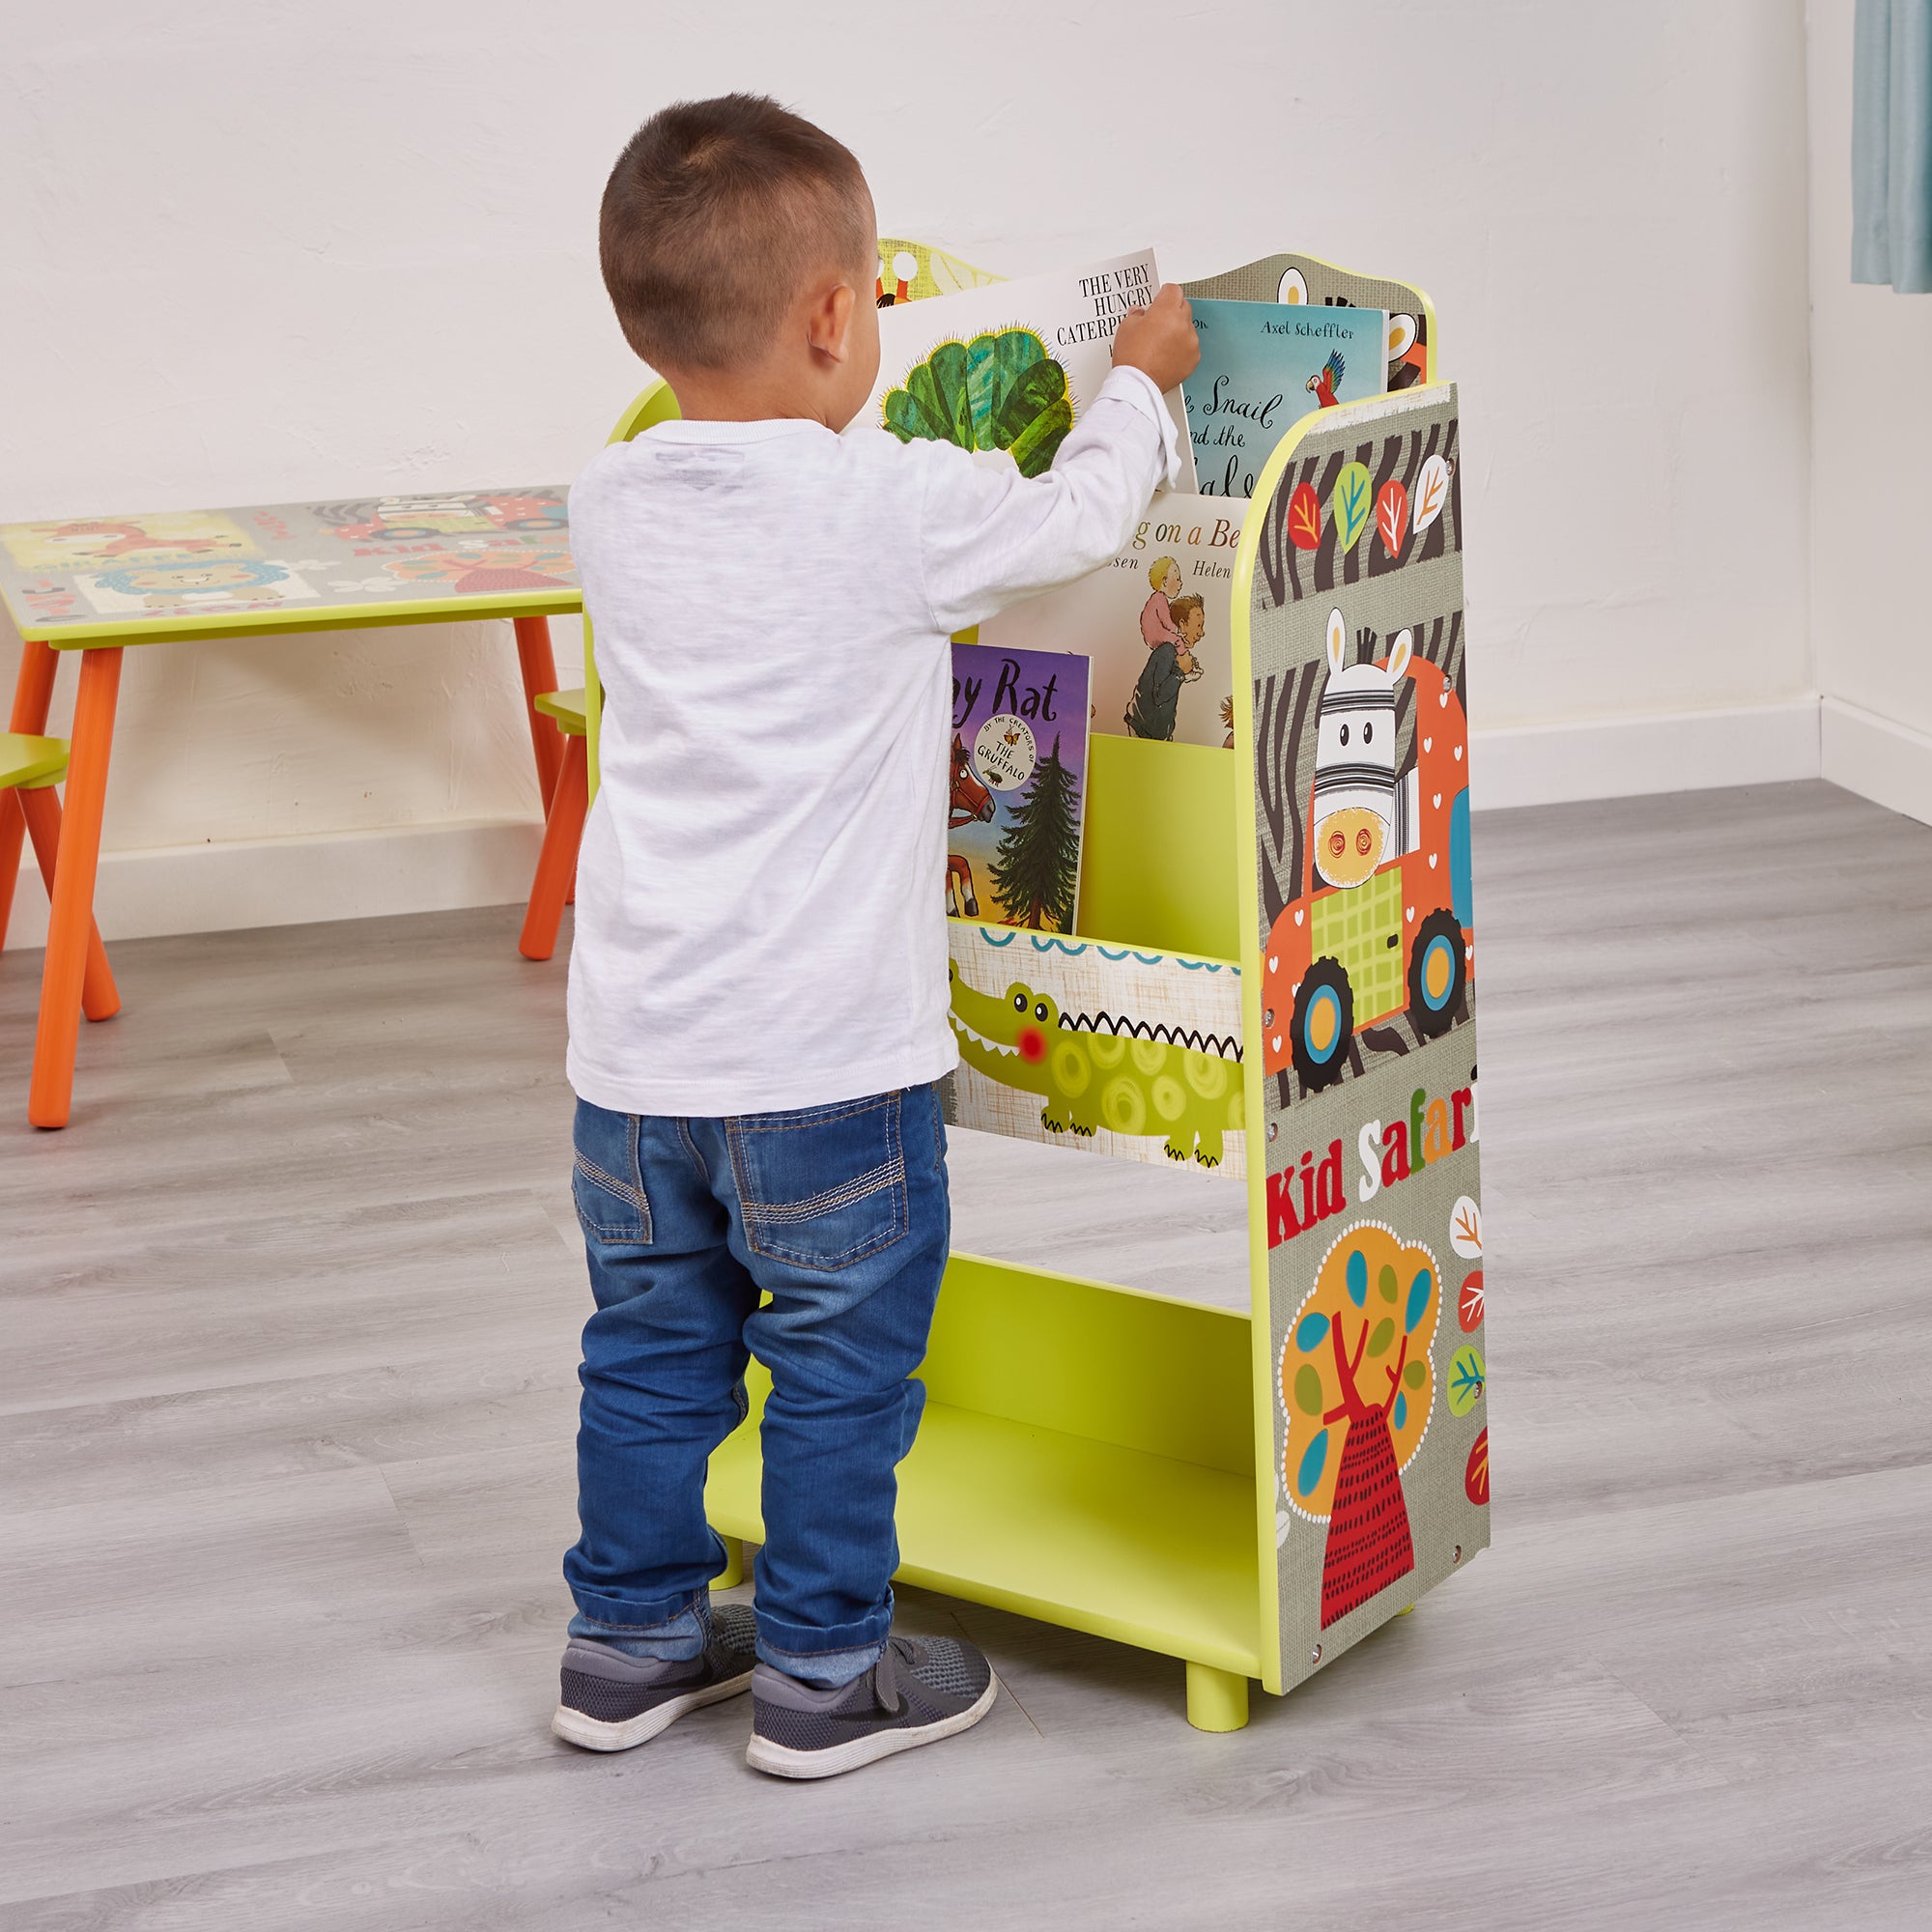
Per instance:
x=1628, y=757
x=216, y=888
x=1890, y=764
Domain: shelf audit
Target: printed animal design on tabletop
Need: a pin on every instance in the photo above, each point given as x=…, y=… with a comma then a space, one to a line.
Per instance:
x=487, y=567
x=1094, y=1080
x=1382, y=922
x=212, y=583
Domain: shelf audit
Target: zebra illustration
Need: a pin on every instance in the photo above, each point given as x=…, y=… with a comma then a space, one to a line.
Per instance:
x=1364, y=817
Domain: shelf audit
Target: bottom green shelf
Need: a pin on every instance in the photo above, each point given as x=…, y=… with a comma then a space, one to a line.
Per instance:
x=1139, y=1547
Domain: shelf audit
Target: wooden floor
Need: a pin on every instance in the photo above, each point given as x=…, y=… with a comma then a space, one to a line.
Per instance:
x=287, y=1341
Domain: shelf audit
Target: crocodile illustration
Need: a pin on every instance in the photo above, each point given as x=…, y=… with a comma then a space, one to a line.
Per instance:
x=1092, y=1080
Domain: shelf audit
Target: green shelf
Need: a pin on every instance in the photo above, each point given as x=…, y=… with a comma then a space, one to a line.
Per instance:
x=1086, y=1457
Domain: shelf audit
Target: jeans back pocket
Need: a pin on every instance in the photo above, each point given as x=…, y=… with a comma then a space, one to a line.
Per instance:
x=607, y=1179
x=821, y=1188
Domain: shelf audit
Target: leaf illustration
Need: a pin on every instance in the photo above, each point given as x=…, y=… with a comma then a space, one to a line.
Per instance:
x=1378, y=1342
x=1312, y=1460
x=1465, y=1381
x=1392, y=515
x=1401, y=1412
x=1414, y=1374
x=1431, y=492
x=1420, y=1290
x=1002, y=390
x=1353, y=490
x=1357, y=1277
x=1304, y=518
x=1476, y=1476
x=1465, y=1229
x=1308, y=1391
x=1387, y=1284
x=1469, y=1303
x=1311, y=1331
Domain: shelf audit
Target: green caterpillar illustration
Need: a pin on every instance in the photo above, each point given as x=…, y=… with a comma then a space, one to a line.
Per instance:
x=1002, y=390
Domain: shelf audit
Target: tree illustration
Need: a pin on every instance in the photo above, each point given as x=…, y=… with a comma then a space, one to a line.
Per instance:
x=1038, y=861
x=1356, y=1390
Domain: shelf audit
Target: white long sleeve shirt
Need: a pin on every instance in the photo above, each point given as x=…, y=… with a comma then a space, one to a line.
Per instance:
x=761, y=908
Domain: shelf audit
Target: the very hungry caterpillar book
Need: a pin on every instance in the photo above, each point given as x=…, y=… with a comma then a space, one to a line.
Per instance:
x=1018, y=796
x=1009, y=367
x=1266, y=365
x=1155, y=621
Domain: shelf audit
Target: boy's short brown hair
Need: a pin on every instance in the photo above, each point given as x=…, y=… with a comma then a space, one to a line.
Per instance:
x=714, y=215
x=1183, y=607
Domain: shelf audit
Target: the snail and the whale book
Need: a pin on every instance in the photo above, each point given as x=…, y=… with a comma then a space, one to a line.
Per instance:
x=1009, y=367
x=1266, y=365
x=1017, y=804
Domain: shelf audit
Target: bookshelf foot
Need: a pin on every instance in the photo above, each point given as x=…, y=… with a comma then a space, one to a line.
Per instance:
x=1218, y=1700
x=733, y=1572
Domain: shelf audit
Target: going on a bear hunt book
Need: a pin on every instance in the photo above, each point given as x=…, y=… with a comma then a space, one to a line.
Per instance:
x=1266, y=365
x=1011, y=366
x=1018, y=798
x=1155, y=621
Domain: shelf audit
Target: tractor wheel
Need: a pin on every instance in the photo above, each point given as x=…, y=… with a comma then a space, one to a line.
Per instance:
x=1322, y=1024
x=1438, y=969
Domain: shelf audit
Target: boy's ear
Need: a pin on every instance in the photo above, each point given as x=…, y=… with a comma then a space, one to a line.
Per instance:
x=829, y=321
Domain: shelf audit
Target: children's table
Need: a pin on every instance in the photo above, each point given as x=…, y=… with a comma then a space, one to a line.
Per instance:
x=97, y=585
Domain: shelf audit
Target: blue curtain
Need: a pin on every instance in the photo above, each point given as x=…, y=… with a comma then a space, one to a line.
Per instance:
x=1891, y=145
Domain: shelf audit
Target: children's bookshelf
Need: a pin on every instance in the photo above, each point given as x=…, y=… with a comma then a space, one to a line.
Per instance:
x=1270, y=979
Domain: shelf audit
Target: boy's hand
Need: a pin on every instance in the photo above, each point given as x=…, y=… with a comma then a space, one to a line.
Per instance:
x=1159, y=340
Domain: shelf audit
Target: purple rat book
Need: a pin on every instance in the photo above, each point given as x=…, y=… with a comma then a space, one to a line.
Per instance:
x=1018, y=796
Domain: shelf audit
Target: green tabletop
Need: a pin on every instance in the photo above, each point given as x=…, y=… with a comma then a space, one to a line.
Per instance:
x=290, y=567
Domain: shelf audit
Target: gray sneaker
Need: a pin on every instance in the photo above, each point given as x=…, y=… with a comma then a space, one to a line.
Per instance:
x=611, y=1701
x=923, y=1689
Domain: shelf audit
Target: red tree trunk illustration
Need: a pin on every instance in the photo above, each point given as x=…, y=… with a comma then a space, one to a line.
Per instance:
x=1369, y=1546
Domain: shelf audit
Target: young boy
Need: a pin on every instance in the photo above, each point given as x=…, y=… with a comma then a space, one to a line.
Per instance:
x=758, y=981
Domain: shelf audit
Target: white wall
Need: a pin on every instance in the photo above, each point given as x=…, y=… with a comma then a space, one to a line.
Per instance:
x=283, y=250
x=1871, y=502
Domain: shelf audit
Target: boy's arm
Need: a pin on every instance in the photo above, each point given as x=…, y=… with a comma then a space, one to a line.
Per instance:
x=989, y=537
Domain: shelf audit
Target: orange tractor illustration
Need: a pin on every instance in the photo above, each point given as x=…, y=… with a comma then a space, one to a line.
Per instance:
x=1382, y=922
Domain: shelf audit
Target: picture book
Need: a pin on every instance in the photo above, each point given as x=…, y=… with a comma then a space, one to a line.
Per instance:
x=1010, y=366
x=1307, y=278
x=1266, y=365
x=1154, y=622
x=914, y=271
x=1018, y=797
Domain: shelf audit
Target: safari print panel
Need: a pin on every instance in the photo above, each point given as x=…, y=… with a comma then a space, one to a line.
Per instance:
x=1368, y=1051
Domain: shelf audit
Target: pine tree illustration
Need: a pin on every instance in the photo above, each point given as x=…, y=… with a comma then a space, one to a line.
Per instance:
x=1039, y=859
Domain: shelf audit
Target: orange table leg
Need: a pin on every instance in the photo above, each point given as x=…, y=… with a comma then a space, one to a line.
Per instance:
x=33, y=693
x=99, y=997
x=539, y=667
x=557, y=863
x=50, y=1096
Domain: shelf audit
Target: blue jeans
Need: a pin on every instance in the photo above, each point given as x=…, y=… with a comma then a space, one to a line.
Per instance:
x=840, y=1215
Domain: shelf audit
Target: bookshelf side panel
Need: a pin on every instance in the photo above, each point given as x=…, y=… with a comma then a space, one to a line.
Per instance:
x=1369, y=1235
